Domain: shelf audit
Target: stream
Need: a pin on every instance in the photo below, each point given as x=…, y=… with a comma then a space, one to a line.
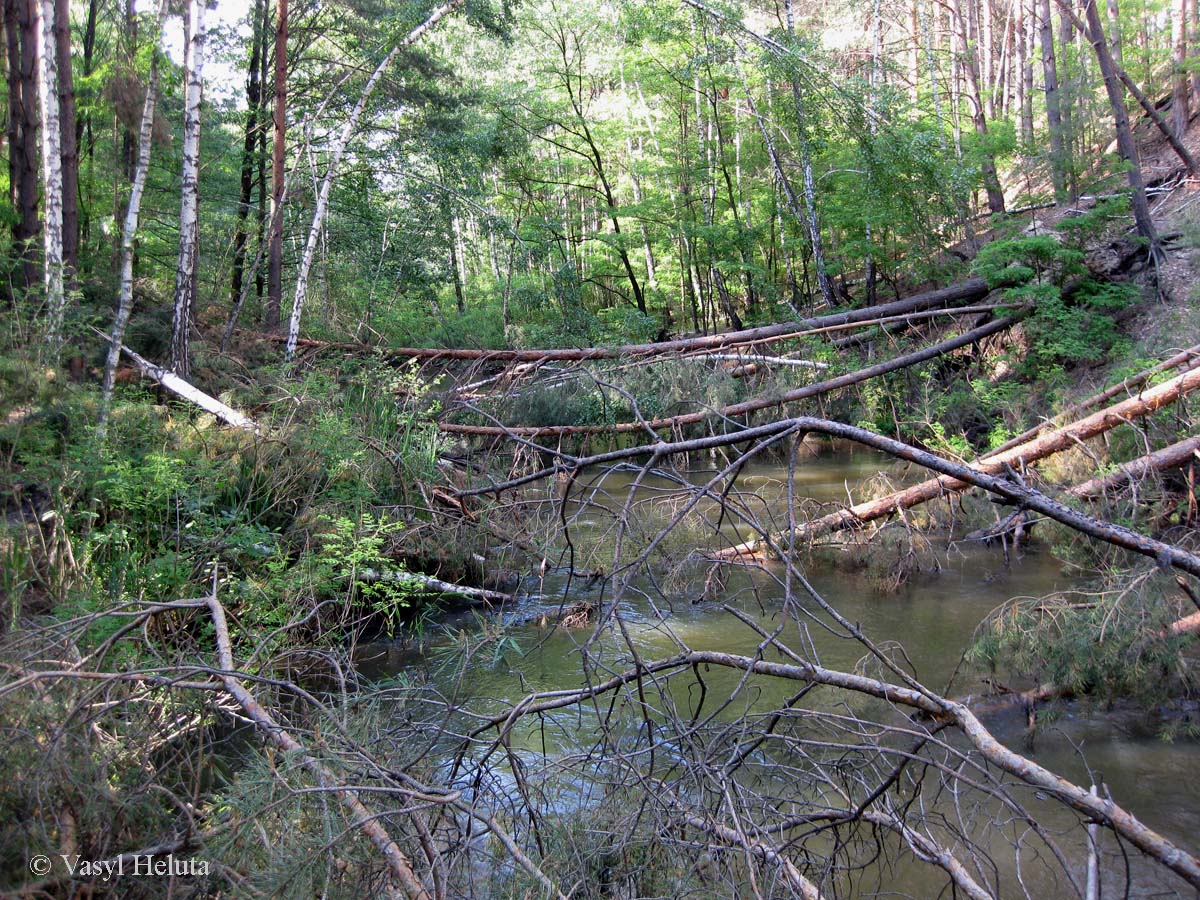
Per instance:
x=933, y=616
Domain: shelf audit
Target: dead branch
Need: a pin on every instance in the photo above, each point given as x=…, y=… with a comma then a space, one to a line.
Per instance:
x=1189, y=358
x=954, y=476
x=361, y=818
x=430, y=585
x=939, y=708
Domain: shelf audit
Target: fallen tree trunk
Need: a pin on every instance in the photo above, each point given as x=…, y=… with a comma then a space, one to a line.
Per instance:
x=1024, y=454
x=427, y=584
x=971, y=289
x=1189, y=358
x=1171, y=457
x=361, y=818
x=192, y=394
x=746, y=406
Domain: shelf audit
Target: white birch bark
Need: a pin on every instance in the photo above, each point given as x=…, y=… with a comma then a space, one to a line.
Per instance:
x=339, y=150
x=52, y=179
x=185, y=272
x=129, y=229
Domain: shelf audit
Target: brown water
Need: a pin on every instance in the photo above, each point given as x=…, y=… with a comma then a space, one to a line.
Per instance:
x=933, y=617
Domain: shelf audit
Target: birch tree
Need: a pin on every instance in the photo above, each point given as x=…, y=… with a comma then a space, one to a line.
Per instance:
x=130, y=227
x=339, y=150
x=52, y=180
x=185, y=280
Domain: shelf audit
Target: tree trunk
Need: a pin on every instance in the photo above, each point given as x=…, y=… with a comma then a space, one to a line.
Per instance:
x=970, y=67
x=1125, y=142
x=339, y=150
x=185, y=274
x=1024, y=31
x=1059, y=162
x=278, y=174
x=21, y=48
x=249, y=147
x=1179, y=81
x=1114, y=30
x=824, y=284
x=1172, y=457
x=52, y=178
x=1168, y=133
x=83, y=125
x=69, y=149
x=130, y=226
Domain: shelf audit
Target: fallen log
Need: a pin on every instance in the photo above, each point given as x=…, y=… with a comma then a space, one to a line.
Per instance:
x=192, y=394
x=426, y=584
x=1022, y=455
x=1189, y=358
x=746, y=406
x=971, y=289
x=1172, y=457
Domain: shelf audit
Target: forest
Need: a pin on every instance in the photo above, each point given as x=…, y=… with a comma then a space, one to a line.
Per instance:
x=624, y=449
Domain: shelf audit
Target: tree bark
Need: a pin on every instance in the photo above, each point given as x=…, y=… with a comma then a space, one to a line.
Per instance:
x=21, y=46
x=1180, y=94
x=278, y=173
x=339, y=150
x=130, y=226
x=185, y=274
x=1172, y=457
x=52, y=178
x=192, y=394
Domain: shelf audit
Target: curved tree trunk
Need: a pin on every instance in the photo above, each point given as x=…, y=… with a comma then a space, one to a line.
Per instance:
x=339, y=150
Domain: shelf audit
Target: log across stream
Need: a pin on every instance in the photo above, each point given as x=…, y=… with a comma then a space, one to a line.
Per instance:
x=933, y=616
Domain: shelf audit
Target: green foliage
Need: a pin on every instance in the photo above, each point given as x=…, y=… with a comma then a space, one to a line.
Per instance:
x=1063, y=326
x=1103, y=646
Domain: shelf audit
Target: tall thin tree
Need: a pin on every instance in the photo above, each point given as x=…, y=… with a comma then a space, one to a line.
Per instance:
x=339, y=150
x=20, y=29
x=52, y=180
x=185, y=280
x=1126, y=145
x=1059, y=162
x=69, y=148
x=130, y=227
x=249, y=147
